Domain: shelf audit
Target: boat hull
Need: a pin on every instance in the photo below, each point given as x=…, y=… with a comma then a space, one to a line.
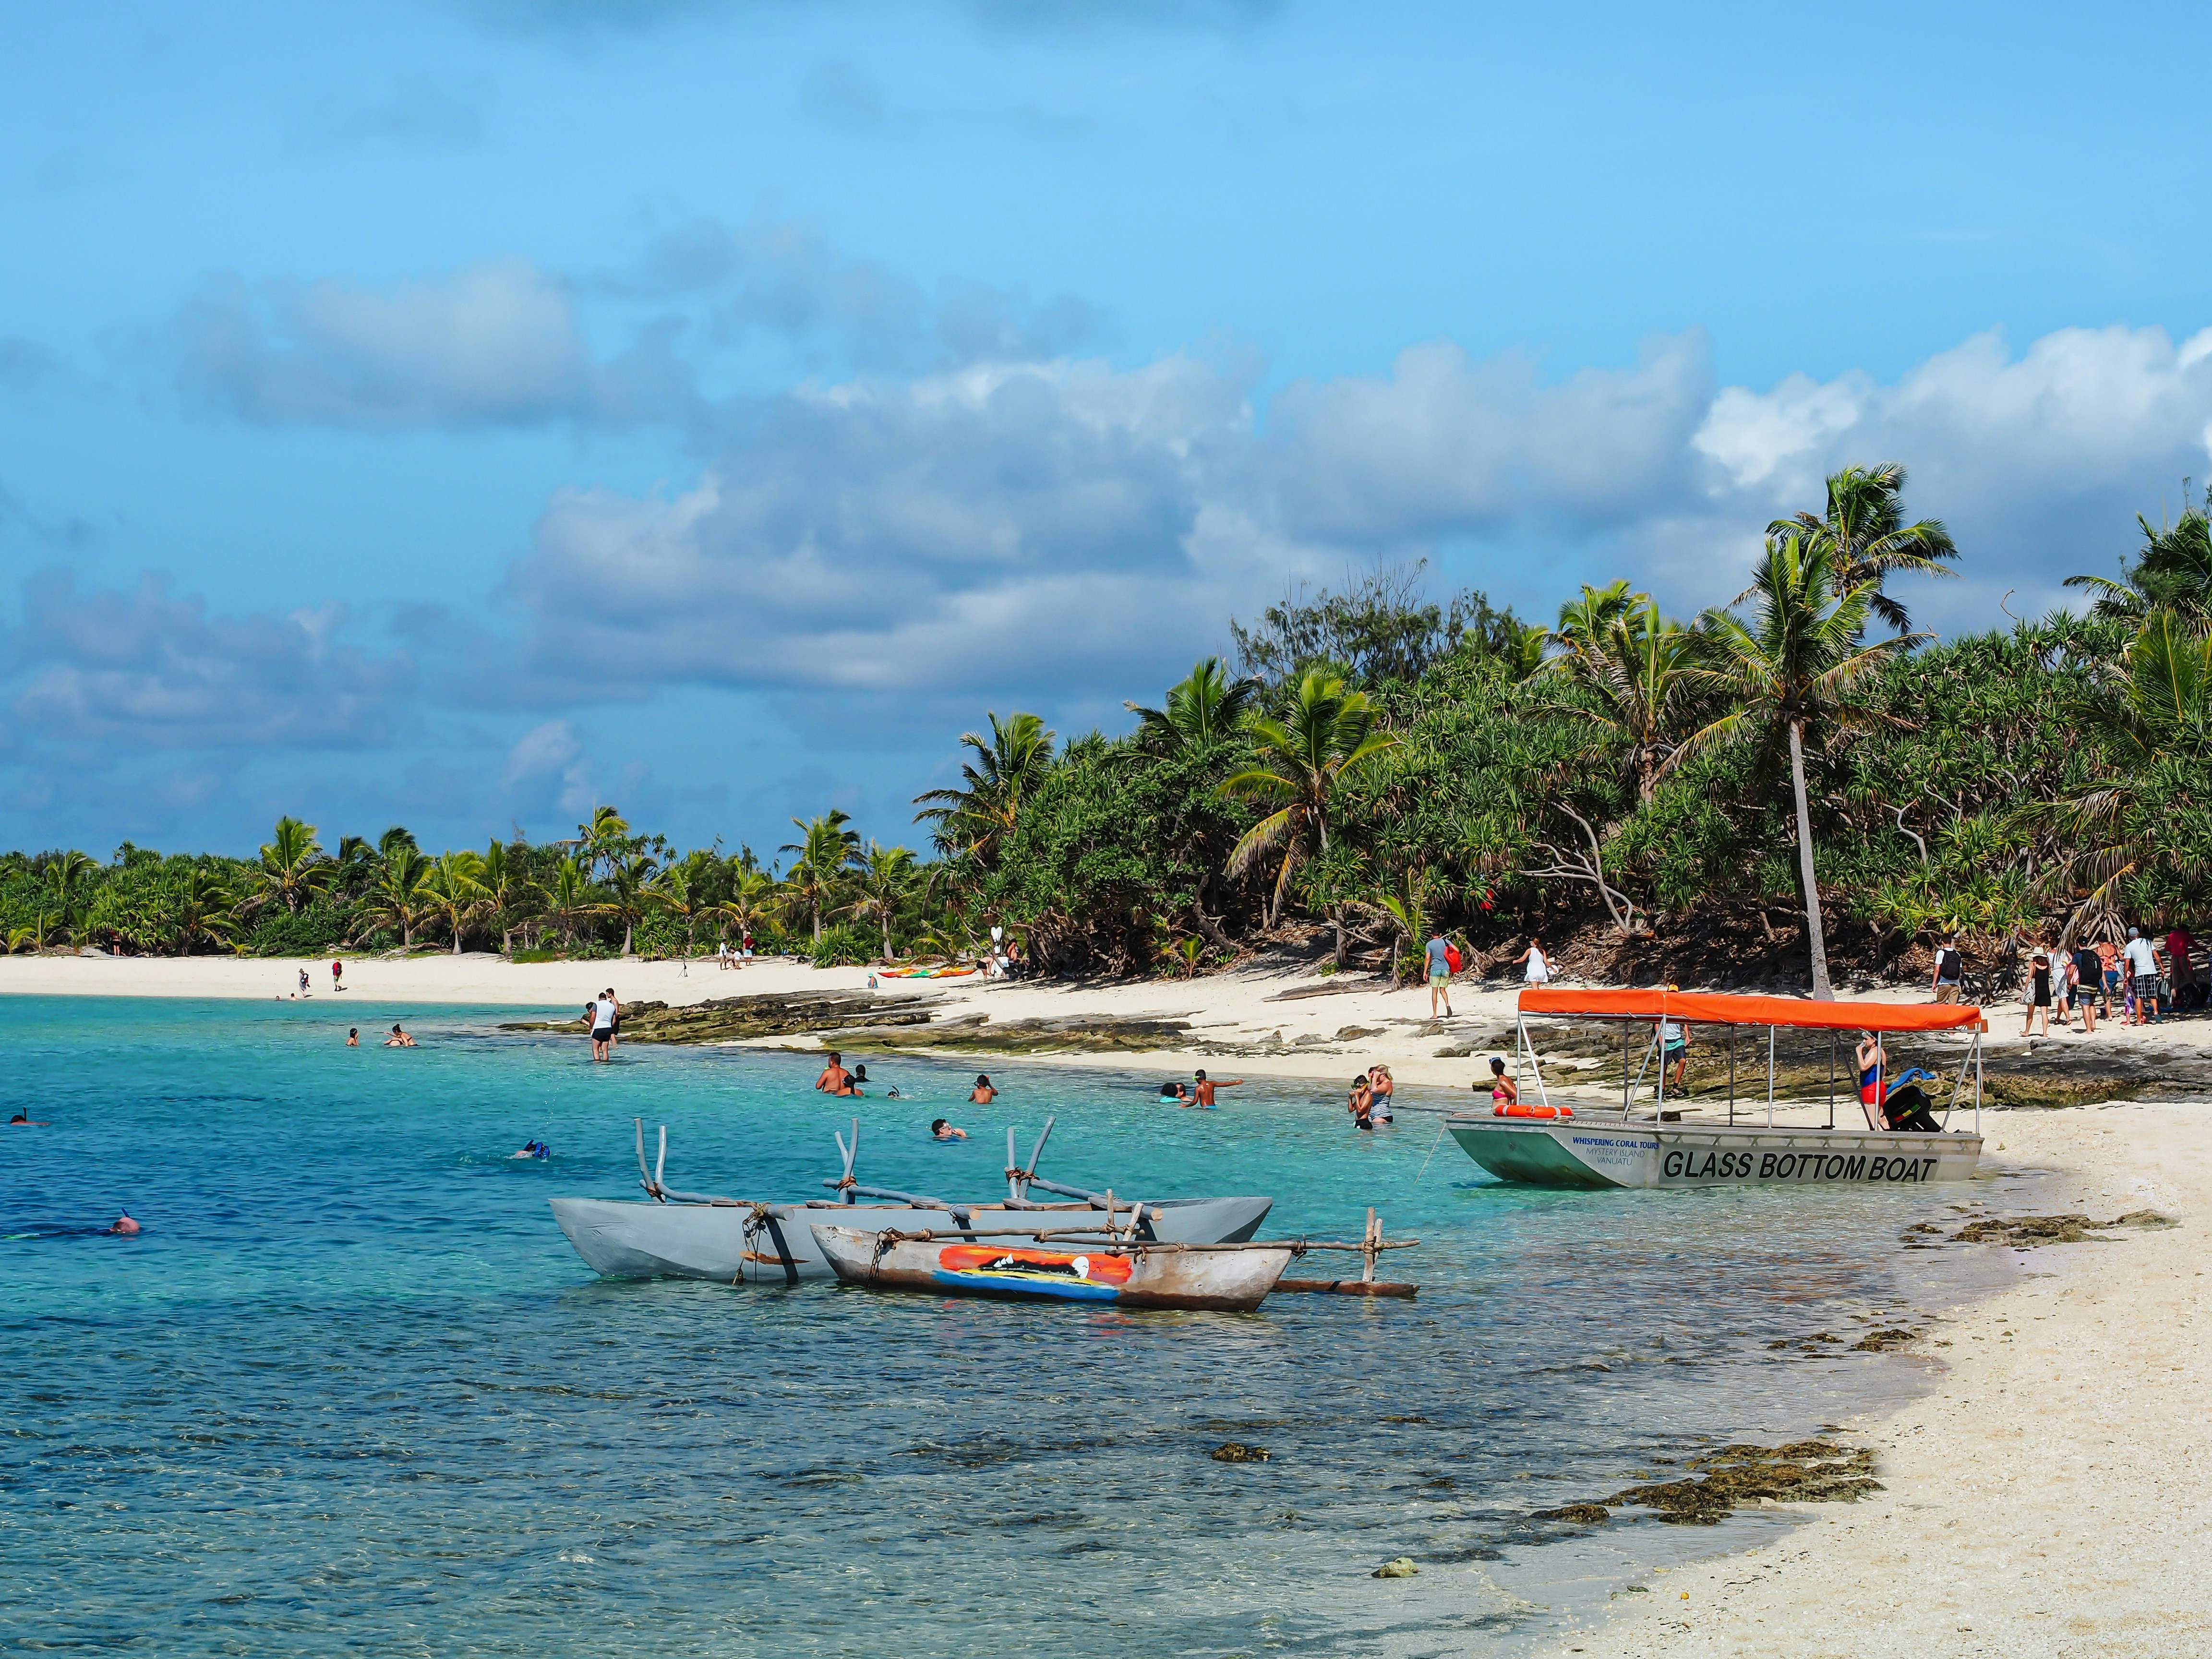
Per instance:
x=1593, y=1152
x=773, y=1244
x=1228, y=1281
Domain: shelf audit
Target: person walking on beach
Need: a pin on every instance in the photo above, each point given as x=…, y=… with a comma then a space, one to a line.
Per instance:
x=1539, y=967
x=2141, y=958
x=304, y=991
x=1205, y=1085
x=1950, y=966
x=2062, y=1001
x=2089, y=980
x=2108, y=959
x=2038, y=994
x=1439, y=955
x=338, y=975
x=2181, y=969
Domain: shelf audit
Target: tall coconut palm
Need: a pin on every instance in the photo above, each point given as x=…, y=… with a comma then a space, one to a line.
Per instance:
x=202, y=910
x=2172, y=570
x=1866, y=538
x=628, y=895
x=505, y=890
x=1326, y=734
x=69, y=879
x=395, y=897
x=1007, y=767
x=753, y=897
x=825, y=845
x=293, y=867
x=1635, y=663
x=573, y=900
x=603, y=841
x=884, y=879
x=1789, y=672
x=1204, y=708
x=454, y=890
x=677, y=890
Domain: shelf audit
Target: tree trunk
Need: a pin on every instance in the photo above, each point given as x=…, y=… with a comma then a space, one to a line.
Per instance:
x=628, y=927
x=1343, y=939
x=1814, y=937
x=887, y=937
x=456, y=936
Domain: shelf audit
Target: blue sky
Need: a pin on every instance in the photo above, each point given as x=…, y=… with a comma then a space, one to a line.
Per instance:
x=458, y=413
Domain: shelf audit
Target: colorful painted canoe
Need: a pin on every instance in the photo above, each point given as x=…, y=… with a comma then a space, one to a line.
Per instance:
x=1125, y=1275
x=923, y=973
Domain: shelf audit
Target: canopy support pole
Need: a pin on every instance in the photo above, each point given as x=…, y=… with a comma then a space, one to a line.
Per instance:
x=1536, y=1069
x=1770, y=1077
x=1659, y=1040
x=1626, y=1087
x=1731, y=1077
x=1832, y=1080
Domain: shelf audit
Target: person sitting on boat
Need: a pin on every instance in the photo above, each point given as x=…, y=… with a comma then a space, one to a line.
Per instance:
x=982, y=1094
x=833, y=1079
x=1503, y=1090
x=1902, y=1103
x=940, y=1130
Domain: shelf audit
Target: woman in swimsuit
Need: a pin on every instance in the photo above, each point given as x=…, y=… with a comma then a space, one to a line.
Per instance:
x=1503, y=1090
x=2039, y=995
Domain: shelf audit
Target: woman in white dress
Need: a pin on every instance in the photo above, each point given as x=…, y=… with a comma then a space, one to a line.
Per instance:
x=1539, y=969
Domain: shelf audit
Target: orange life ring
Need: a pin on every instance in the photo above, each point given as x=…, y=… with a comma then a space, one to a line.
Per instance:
x=1517, y=1109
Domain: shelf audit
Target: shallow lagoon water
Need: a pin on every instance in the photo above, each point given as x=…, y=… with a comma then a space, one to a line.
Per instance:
x=351, y=1390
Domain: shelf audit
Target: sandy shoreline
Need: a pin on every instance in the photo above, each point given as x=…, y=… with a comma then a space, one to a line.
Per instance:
x=2050, y=1496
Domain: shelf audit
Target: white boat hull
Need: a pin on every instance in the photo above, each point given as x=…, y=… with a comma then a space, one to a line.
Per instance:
x=1595, y=1152
x=774, y=1243
x=1024, y=1270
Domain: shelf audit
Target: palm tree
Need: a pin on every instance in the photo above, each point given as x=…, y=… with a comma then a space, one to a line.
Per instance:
x=1006, y=771
x=293, y=867
x=1790, y=671
x=202, y=910
x=1202, y=709
x=1634, y=663
x=2173, y=570
x=1865, y=537
x=574, y=898
x=504, y=890
x=677, y=891
x=454, y=889
x=2157, y=733
x=752, y=895
x=1327, y=733
x=886, y=879
x=67, y=874
x=824, y=848
x=395, y=897
x=628, y=873
x=603, y=841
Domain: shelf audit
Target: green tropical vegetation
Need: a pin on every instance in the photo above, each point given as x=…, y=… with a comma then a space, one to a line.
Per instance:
x=1792, y=782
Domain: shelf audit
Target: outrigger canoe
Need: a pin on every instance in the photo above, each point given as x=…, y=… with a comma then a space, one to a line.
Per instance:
x=675, y=1234
x=1603, y=1147
x=1231, y=1278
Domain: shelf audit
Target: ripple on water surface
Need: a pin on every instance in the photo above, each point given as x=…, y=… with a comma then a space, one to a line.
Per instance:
x=351, y=1389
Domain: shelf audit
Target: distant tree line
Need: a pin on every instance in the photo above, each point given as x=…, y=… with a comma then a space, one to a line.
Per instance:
x=1370, y=765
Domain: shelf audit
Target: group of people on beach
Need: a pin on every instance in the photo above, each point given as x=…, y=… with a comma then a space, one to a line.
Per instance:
x=2137, y=981
x=740, y=955
x=1444, y=958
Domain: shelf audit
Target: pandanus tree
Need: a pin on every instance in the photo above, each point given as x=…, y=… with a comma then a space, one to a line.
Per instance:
x=1866, y=540
x=1634, y=665
x=293, y=867
x=1788, y=671
x=1006, y=770
x=1325, y=735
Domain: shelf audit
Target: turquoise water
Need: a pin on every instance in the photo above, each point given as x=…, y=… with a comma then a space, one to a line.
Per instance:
x=351, y=1390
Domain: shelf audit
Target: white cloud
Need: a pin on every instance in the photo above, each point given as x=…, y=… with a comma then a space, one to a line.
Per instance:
x=492, y=344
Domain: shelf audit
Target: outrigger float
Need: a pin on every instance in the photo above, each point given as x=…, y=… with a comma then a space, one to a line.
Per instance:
x=681, y=1235
x=1559, y=1143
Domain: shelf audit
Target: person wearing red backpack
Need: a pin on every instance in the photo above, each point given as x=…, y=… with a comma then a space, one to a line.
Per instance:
x=1440, y=956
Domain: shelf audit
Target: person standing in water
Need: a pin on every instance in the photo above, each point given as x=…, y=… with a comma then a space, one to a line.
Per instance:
x=1206, y=1086
x=353, y=1037
x=602, y=1015
x=982, y=1094
x=833, y=1079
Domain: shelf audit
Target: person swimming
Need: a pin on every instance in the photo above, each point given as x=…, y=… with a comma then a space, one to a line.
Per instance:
x=125, y=1227
x=353, y=1036
x=940, y=1130
x=23, y=1120
x=1172, y=1093
x=535, y=1149
x=398, y=1039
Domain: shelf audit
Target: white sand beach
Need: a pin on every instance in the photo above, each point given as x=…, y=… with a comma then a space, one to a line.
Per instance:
x=2053, y=1493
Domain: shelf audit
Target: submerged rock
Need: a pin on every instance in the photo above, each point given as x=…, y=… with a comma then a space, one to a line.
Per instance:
x=1402, y=1567
x=1236, y=1451
x=1589, y=1515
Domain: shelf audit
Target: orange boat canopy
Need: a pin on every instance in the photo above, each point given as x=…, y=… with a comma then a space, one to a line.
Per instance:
x=1714, y=1008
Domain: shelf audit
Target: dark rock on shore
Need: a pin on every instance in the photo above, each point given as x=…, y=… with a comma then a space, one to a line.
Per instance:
x=726, y=1019
x=1804, y=1472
